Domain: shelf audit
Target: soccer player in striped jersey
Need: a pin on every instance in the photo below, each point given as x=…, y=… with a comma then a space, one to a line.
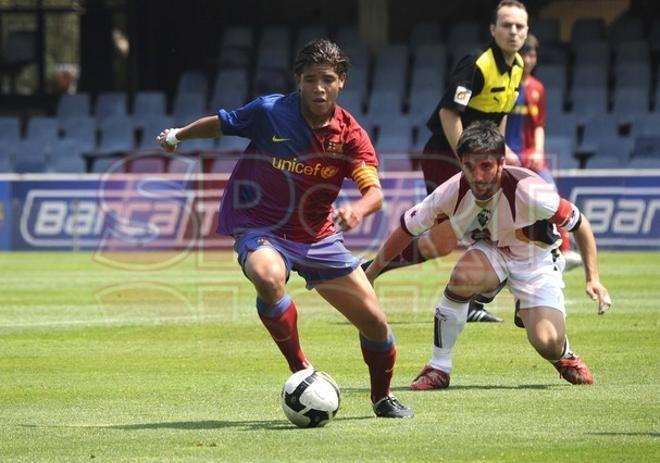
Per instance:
x=278, y=206
x=508, y=217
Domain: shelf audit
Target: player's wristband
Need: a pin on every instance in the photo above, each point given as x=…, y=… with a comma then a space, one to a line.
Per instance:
x=171, y=139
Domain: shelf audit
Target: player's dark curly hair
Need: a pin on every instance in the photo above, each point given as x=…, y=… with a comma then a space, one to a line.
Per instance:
x=481, y=137
x=321, y=51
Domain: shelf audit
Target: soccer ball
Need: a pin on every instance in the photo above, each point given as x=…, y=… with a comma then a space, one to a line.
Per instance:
x=310, y=398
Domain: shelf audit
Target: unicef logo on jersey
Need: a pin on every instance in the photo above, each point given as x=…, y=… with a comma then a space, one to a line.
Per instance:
x=297, y=167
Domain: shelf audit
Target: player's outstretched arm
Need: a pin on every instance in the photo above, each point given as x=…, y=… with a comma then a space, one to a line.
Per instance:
x=349, y=215
x=206, y=127
x=584, y=237
x=392, y=247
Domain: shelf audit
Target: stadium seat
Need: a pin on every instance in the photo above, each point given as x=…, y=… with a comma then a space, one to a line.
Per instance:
x=188, y=107
x=390, y=79
x=554, y=53
x=592, y=54
x=42, y=129
x=237, y=43
x=352, y=101
x=108, y=165
x=552, y=75
x=629, y=102
x=394, y=160
x=358, y=55
x=31, y=156
x=82, y=130
x=348, y=35
x=587, y=30
x=598, y=127
x=146, y=105
x=611, y=153
x=425, y=33
x=230, y=89
x=110, y=104
x=393, y=143
x=422, y=136
x=66, y=157
x=636, y=76
x=647, y=146
x=308, y=33
x=384, y=104
x=276, y=37
x=632, y=51
x=192, y=81
x=647, y=125
x=467, y=31
x=422, y=104
x=272, y=80
x=20, y=50
x=357, y=80
x=427, y=79
x=625, y=28
x=76, y=105
x=654, y=36
x=546, y=30
x=10, y=129
x=560, y=152
x=554, y=101
x=463, y=49
x=644, y=163
x=432, y=56
x=197, y=145
x=116, y=136
x=588, y=102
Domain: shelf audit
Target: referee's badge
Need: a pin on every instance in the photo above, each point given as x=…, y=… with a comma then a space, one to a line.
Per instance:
x=462, y=95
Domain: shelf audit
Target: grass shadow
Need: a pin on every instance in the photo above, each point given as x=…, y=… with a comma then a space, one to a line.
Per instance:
x=633, y=434
x=461, y=387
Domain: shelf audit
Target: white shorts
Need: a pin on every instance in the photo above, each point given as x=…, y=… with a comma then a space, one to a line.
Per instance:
x=536, y=282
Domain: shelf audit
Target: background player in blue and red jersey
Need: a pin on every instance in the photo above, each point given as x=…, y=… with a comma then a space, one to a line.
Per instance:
x=278, y=206
x=525, y=132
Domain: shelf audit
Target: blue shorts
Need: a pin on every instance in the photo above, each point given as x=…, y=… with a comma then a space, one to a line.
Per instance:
x=315, y=262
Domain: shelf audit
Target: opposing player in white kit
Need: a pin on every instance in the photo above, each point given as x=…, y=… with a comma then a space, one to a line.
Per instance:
x=508, y=216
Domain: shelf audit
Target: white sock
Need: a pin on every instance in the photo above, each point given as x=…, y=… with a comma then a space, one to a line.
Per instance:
x=567, y=349
x=450, y=318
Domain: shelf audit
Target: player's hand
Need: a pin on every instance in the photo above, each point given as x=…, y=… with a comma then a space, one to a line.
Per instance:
x=345, y=218
x=170, y=143
x=598, y=292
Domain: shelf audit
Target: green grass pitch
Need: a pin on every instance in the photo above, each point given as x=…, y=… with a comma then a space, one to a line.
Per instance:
x=162, y=358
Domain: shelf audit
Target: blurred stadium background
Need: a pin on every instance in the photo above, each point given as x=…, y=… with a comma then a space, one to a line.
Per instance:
x=88, y=82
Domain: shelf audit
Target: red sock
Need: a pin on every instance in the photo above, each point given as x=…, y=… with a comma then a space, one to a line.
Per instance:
x=565, y=240
x=381, y=368
x=284, y=330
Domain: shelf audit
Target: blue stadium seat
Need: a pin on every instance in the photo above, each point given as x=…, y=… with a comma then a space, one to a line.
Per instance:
x=647, y=146
x=108, y=165
x=598, y=127
x=644, y=163
x=647, y=125
x=66, y=157
x=425, y=33
x=82, y=130
x=632, y=51
x=358, y=55
x=654, y=36
x=560, y=152
x=625, y=28
x=146, y=105
x=592, y=54
x=188, y=107
x=275, y=36
x=31, y=156
x=611, y=153
x=357, y=80
x=421, y=137
x=308, y=33
x=546, y=30
x=427, y=79
x=432, y=56
x=193, y=82
x=111, y=104
x=637, y=76
x=467, y=31
x=587, y=30
x=347, y=35
x=463, y=49
x=390, y=79
x=552, y=75
x=76, y=105
x=237, y=43
x=42, y=129
x=384, y=104
x=554, y=53
x=422, y=104
x=394, y=160
x=117, y=136
x=230, y=89
x=352, y=101
x=630, y=102
x=198, y=145
x=272, y=80
x=148, y=164
x=588, y=102
x=554, y=101
x=10, y=129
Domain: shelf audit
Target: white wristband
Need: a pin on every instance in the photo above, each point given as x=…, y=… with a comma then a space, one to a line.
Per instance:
x=171, y=139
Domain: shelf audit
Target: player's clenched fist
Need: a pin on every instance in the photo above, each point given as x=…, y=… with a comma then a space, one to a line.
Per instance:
x=167, y=140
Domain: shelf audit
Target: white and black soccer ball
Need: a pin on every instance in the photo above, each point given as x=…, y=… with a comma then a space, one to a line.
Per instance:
x=310, y=398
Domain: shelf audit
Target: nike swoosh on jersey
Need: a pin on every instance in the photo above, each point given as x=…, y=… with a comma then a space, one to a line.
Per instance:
x=276, y=139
